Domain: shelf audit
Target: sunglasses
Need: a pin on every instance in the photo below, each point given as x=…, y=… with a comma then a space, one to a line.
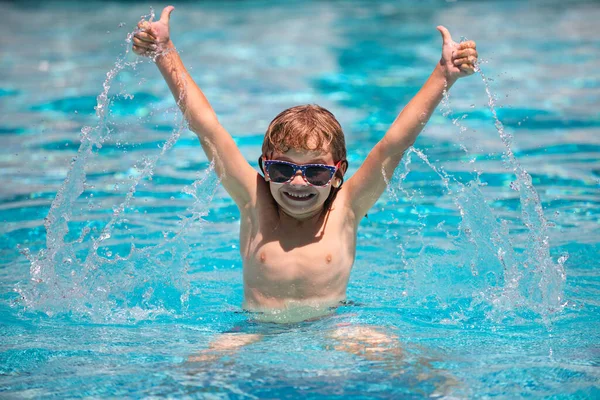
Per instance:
x=315, y=174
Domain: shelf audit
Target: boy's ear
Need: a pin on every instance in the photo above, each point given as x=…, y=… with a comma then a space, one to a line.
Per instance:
x=260, y=164
x=343, y=167
x=339, y=175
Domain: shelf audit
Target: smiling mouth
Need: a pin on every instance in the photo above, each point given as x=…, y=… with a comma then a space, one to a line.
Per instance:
x=299, y=196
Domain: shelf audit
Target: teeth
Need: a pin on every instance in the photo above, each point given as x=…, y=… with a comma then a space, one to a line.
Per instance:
x=299, y=195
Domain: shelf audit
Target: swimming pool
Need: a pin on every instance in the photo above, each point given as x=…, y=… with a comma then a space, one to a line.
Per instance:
x=453, y=261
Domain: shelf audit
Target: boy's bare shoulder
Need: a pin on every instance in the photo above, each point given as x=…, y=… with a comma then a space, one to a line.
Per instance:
x=341, y=211
x=263, y=203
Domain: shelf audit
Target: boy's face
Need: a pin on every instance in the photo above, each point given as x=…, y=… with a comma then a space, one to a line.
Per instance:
x=297, y=197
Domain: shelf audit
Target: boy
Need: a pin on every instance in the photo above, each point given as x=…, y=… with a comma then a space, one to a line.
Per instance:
x=299, y=223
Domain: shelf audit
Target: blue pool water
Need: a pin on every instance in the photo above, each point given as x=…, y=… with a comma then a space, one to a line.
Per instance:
x=119, y=254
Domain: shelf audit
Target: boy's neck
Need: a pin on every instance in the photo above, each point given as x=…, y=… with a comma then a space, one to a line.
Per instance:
x=302, y=219
x=302, y=229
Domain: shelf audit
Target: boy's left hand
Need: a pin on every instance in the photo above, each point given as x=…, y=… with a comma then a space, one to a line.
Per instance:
x=458, y=59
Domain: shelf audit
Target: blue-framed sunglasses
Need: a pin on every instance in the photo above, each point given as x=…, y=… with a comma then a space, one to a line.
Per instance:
x=314, y=174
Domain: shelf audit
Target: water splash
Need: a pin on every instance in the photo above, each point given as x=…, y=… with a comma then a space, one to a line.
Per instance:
x=82, y=277
x=486, y=269
x=546, y=279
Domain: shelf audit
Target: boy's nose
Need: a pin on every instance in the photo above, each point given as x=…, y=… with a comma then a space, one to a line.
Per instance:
x=298, y=179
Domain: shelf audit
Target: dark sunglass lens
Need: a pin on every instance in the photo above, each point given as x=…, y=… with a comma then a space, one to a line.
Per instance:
x=280, y=173
x=318, y=176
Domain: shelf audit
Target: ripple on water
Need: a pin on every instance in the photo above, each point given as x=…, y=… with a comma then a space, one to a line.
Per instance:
x=12, y=130
x=5, y=92
x=133, y=104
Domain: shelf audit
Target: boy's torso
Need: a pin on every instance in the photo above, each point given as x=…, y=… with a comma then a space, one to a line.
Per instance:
x=287, y=261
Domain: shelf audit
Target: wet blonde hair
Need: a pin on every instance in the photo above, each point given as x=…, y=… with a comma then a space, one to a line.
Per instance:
x=306, y=127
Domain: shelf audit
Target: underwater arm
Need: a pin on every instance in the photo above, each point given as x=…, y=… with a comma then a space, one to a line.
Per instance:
x=369, y=182
x=236, y=174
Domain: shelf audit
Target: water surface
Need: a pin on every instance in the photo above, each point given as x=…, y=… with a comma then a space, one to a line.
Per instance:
x=481, y=259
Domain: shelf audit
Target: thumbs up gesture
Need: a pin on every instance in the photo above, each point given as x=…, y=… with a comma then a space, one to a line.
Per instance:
x=458, y=59
x=153, y=37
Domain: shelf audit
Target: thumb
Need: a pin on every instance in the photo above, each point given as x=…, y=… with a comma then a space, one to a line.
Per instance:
x=446, y=37
x=166, y=14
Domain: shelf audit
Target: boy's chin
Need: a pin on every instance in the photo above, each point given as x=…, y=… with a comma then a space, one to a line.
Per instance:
x=301, y=212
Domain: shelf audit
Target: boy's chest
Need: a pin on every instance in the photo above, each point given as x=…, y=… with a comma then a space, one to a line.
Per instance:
x=275, y=269
x=286, y=256
x=299, y=261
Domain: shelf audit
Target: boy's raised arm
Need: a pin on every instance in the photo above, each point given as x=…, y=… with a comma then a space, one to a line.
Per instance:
x=369, y=182
x=236, y=174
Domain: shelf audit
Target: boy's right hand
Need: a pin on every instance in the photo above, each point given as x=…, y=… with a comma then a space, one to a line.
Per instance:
x=153, y=37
